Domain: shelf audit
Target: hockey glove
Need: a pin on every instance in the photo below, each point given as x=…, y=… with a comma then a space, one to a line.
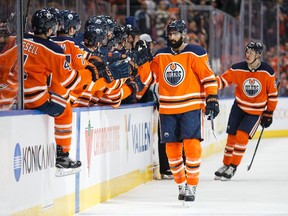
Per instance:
x=212, y=106
x=99, y=64
x=136, y=84
x=120, y=69
x=141, y=44
x=94, y=72
x=142, y=56
x=115, y=56
x=267, y=118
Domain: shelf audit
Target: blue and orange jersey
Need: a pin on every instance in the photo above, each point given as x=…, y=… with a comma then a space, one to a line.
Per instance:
x=255, y=91
x=44, y=60
x=185, y=79
x=73, y=51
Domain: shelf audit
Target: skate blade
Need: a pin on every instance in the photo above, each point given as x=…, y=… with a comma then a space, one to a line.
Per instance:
x=225, y=179
x=187, y=203
x=167, y=177
x=217, y=177
x=60, y=172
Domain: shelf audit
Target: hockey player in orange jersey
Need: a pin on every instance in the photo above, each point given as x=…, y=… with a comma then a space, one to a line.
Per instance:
x=110, y=75
x=44, y=59
x=128, y=86
x=139, y=56
x=255, y=100
x=69, y=24
x=185, y=81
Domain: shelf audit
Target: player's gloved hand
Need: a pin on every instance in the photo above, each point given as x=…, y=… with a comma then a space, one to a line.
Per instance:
x=267, y=118
x=99, y=64
x=115, y=56
x=136, y=84
x=120, y=69
x=141, y=44
x=142, y=56
x=212, y=106
x=94, y=72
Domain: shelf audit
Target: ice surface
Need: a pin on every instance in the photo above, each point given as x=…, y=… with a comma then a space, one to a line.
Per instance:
x=261, y=191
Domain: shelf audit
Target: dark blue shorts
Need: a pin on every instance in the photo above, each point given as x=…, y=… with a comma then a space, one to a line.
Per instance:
x=177, y=127
x=240, y=120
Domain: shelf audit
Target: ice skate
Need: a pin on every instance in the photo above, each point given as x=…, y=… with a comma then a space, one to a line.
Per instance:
x=229, y=173
x=219, y=173
x=189, y=195
x=181, y=191
x=167, y=175
x=64, y=165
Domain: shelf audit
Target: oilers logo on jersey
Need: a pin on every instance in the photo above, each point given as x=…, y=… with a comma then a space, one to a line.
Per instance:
x=251, y=87
x=174, y=74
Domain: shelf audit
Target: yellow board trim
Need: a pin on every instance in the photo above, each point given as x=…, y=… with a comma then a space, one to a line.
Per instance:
x=272, y=134
x=65, y=206
x=106, y=190
x=219, y=146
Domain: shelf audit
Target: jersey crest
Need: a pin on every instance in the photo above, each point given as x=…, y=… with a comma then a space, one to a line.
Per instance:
x=174, y=74
x=252, y=87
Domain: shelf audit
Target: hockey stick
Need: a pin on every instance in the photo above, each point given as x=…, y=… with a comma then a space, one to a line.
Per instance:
x=249, y=166
x=212, y=125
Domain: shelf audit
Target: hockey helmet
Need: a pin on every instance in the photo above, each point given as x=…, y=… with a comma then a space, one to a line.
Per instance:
x=109, y=20
x=93, y=35
x=256, y=46
x=177, y=25
x=119, y=33
x=57, y=13
x=42, y=21
x=98, y=23
x=71, y=19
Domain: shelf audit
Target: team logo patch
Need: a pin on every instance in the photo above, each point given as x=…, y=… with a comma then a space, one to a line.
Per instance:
x=252, y=87
x=70, y=16
x=174, y=74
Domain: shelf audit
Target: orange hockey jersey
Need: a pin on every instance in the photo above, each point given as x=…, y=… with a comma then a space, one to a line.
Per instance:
x=76, y=59
x=255, y=91
x=43, y=59
x=185, y=79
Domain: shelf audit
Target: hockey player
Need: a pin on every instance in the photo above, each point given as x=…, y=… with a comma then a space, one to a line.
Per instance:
x=94, y=36
x=43, y=59
x=255, y=100
x=128, y=86
x=141, y=56
x=185, y=81
x=87, y=71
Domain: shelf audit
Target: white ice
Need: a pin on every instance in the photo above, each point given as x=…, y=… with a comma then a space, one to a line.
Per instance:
x=261, y=191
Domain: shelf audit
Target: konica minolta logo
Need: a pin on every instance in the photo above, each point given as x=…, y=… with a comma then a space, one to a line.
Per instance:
x=31, y=159
x=17, y=162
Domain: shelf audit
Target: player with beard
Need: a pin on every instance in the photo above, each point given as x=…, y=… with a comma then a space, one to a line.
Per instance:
x=186, y=82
